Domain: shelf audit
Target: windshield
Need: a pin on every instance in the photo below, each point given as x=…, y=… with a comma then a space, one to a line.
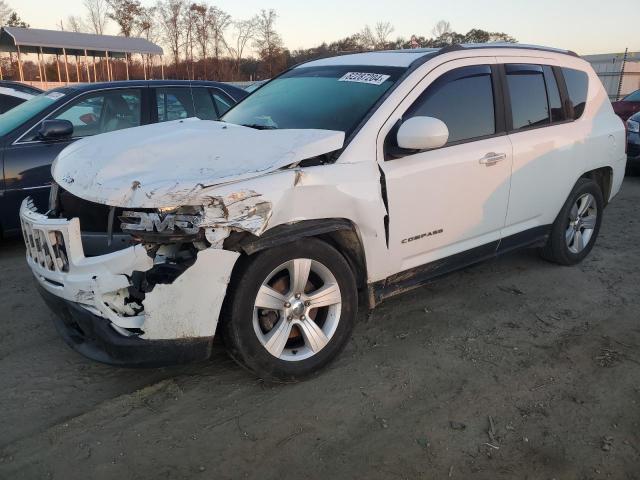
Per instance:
x=15, y=117
x=331, y=98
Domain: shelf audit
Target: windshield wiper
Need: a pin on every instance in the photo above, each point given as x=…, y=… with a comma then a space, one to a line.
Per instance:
x=259, y=127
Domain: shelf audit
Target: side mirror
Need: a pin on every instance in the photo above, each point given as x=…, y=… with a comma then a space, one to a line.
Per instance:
x=422, y=133
x=52, y=130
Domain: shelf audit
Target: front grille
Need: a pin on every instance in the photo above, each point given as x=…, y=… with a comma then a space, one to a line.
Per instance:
x=46, y=247
x=94, y=217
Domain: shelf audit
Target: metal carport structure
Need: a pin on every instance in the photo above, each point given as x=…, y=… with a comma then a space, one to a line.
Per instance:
x=62, y=43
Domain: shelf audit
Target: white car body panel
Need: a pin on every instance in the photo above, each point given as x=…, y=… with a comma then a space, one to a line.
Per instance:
x=237, y=176
x=446, y=183
x=197, y=312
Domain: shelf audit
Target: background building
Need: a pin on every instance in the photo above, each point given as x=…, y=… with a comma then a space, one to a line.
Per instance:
x=620, y=74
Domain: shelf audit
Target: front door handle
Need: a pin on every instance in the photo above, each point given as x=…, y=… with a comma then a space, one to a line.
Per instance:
x=492, y=158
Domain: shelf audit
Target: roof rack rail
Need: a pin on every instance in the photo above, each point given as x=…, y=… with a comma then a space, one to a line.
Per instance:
x=472, y=46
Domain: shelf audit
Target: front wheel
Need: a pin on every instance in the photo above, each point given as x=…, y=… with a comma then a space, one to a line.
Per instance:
x=290, y=310
x=576, y=228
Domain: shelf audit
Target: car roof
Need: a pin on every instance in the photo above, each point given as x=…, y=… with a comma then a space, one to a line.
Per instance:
x=407, y=57
x=22, y=87
x=11, y=92
x=234, y=91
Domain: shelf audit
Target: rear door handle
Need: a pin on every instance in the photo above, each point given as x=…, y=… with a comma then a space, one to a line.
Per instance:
x=492, y=158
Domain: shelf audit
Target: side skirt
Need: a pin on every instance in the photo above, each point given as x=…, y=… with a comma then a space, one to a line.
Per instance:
x=418, y=276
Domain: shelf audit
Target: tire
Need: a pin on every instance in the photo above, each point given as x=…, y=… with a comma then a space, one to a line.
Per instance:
x=577, y=214
x=293, y=338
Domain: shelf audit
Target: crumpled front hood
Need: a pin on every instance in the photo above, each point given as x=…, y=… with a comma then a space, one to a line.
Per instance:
x=170, y=164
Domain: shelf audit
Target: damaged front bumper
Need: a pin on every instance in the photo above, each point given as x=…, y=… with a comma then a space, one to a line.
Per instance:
x=173, y=323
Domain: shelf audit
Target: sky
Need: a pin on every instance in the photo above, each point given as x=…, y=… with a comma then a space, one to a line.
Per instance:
x=586, y=27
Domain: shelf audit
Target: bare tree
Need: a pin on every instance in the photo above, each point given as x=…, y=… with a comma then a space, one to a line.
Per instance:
x=74, y=23
x=366, y=39
x=125, y=13
x=188, y=27
x=383, y=31
x=219, y=22
x=243, y=31
x=97, y=15
x=201, y=30
x=170, y=15
x=376, y=38
x=267, y=41
x=5, y=11
x=441, y=28
x=146, y=25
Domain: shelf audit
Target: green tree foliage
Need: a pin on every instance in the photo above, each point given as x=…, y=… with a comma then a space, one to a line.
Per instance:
x=14, y=20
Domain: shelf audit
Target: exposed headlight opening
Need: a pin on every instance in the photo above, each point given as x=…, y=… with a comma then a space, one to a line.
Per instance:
x=633, y=126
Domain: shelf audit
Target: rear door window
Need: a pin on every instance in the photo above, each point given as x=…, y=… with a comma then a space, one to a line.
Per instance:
x=577, y=85
x=463, y=100
x=528, y=96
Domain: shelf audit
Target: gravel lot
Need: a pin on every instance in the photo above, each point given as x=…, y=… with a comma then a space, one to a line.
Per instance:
x=514, y=368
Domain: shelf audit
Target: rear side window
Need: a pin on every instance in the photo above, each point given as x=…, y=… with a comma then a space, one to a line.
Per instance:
x=223, y=103
x=528, y=96
x=176, y=103
x=463, y=100
x=577, y=86
x=203, y=104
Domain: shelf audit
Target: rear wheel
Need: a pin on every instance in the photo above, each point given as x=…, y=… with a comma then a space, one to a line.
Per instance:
x=576, y=228
x=291, y=310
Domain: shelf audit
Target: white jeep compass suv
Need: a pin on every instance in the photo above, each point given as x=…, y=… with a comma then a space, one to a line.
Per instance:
x=361, y=174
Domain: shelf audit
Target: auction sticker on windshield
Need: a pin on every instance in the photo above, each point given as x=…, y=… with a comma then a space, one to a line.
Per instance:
x=362, y=77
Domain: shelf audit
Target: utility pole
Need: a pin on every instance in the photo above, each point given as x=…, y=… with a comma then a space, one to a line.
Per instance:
x=624, y=61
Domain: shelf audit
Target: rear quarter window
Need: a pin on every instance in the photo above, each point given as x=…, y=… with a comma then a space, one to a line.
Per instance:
x=7, y=102
x=577, y=86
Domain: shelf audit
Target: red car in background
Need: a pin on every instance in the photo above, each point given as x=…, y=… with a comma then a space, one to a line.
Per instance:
x=628, y=105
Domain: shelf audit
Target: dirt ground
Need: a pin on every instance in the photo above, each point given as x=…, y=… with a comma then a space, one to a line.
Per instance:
x=514, y=368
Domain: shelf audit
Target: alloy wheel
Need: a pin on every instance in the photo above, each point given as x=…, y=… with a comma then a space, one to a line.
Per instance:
x=297, y=309
x=582, y=223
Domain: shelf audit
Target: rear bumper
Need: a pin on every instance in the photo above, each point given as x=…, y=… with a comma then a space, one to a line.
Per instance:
x=94, y=337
